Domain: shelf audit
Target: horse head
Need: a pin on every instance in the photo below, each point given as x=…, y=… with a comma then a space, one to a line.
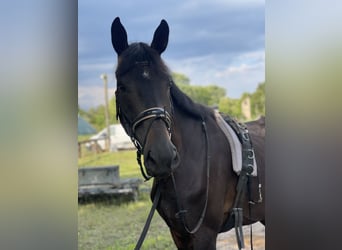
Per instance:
x=143, y=98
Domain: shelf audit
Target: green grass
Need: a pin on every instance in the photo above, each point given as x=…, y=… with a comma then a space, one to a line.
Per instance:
x=129, y=167
x=83, y=137
x=109, y=224
x=106, y=225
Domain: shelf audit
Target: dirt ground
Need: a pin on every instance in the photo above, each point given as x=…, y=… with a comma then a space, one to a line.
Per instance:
x=227, y=241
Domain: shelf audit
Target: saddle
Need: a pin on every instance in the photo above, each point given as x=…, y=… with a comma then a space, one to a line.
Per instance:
x=240, y=144
x=244, y=165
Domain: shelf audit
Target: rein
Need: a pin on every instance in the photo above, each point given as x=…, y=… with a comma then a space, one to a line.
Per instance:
x=181, y=212
x=149, y=219
x=157, y=113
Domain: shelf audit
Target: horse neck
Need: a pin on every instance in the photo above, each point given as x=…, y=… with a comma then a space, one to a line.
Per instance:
x=189, y=138
x=186, y=129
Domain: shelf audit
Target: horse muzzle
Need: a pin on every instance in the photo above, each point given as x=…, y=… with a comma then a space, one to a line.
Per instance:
x=161, y=159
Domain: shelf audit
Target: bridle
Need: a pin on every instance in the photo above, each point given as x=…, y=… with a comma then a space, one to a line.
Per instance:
x=151, y=113
x=154, y=113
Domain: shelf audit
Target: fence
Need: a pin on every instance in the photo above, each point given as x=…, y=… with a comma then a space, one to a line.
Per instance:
x=89, y=146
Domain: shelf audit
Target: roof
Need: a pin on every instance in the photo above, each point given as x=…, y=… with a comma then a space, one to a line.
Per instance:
x=84, y=128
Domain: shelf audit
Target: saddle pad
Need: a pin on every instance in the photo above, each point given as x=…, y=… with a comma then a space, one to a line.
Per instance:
x=235, y=145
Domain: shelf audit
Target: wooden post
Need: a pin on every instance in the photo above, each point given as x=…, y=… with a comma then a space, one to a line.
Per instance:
x=104, y=78
x=79, y=150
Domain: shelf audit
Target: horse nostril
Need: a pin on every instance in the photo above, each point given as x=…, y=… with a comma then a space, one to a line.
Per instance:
x=174, y=153
x=175, y=158
x=150, y=156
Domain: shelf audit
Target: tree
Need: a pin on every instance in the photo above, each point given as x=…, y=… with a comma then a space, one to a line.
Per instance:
x=112, y=111
x=207, y=95
x=258, y=101
x=96, y=116
x=180, y=79
x=82, y=112
x=231, y=107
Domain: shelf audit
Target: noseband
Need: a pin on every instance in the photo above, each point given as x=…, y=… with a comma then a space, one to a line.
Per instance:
x=151, y=113
x=154, y=113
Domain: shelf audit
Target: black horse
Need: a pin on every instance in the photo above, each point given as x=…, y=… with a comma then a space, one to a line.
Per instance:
x=182, y=145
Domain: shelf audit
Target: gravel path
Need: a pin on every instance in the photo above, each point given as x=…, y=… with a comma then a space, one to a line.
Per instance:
x=227, y=241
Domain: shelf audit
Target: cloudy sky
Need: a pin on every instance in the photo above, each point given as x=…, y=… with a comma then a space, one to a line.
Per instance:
x=219, y=42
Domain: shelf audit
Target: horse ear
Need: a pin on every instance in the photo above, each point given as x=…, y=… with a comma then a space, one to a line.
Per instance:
x=119, y=36
x=161, y=37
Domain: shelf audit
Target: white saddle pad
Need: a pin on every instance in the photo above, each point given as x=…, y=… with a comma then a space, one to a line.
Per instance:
x=235, y=145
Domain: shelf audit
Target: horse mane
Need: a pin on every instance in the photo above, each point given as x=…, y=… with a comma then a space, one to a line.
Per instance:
x=187, y=105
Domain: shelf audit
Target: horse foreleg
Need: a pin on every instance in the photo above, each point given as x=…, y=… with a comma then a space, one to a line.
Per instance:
x=181, y=241
x=205, y=239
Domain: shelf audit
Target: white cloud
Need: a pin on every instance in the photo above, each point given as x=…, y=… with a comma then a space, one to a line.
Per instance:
x=233, y=70
x=191, y=4
x=240, y=69
x=237, y=74
x=103, y=67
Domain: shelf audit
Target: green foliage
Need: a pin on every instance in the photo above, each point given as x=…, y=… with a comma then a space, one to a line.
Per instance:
x=96, y=116
x=180, y=79
x=258, y=101
x=231, y=107
x=83, y=137
x=207, y=95
x=82, y=112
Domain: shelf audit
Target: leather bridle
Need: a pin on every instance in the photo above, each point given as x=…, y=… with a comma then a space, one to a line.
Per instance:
x=154, y=113
x=151, y=113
